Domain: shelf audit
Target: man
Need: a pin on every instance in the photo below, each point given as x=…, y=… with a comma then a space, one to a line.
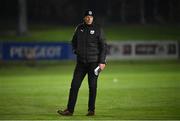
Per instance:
x=89, y=45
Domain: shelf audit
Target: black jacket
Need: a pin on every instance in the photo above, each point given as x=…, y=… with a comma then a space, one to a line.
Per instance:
x=89, y=43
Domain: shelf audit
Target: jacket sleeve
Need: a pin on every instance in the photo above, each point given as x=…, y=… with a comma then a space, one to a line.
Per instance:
x=74, y=42
x=102, y=47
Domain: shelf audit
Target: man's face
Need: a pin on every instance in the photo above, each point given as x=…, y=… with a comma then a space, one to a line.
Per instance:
x=88, y=20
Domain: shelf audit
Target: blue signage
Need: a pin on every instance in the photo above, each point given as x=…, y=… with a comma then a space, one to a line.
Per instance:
x=36, y=51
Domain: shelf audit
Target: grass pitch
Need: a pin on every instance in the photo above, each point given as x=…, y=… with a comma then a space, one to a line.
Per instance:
x=113, y=32
x=126, y=90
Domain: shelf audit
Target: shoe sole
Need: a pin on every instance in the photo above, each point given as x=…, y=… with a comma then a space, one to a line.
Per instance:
x=60, y=113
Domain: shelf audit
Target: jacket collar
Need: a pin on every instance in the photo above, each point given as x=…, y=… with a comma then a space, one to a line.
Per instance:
x=86, y=25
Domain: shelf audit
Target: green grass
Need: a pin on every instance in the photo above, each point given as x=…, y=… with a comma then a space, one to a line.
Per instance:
x=140, y=32
x=114, y=32
x=126, y=90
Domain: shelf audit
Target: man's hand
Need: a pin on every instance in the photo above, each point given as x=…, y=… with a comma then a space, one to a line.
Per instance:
x=102, y=66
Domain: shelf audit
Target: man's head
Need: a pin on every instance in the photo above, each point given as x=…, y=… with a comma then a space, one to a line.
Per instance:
x=88, y=17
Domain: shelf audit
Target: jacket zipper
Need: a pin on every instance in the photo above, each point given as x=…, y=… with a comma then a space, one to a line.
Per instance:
x=86, y=44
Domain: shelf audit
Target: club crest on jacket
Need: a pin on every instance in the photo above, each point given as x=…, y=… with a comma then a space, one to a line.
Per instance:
x=92, y=32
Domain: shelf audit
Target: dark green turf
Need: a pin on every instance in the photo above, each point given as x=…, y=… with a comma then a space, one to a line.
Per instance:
x=126, y=90
x=113, y=32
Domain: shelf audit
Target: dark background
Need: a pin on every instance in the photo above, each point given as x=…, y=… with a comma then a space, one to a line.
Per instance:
x=67, y=12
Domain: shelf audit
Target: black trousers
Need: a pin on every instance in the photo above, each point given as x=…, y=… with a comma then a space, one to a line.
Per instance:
x=80, y=71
